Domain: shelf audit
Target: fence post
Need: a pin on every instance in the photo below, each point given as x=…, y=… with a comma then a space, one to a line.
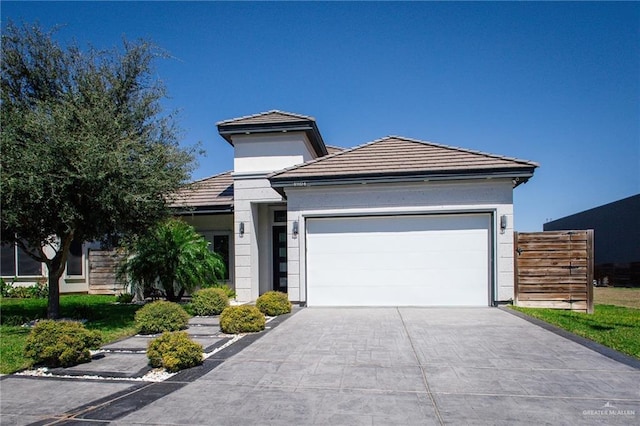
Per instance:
x=516, y=280
x=590, y=257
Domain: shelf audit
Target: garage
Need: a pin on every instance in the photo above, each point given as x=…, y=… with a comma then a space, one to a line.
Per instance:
x=409, y=260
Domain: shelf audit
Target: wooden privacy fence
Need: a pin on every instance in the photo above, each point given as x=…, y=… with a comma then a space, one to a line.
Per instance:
x=103, y=265
x=554, y=269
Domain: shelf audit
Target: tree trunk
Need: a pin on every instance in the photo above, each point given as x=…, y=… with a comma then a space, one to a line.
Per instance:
x=169, y=294
x=56, y=268
x=53, y=309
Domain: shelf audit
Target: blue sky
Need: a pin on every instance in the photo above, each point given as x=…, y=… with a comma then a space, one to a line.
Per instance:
x=556, y=83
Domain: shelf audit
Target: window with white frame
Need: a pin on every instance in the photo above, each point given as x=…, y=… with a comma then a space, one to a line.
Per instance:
x=14, y=262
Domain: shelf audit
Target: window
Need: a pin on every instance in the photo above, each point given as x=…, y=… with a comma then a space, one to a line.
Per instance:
x=8, y=260
x=219, y=243
x=75, y=259
x=280, y=216
x=15, y=262
x=221, y=246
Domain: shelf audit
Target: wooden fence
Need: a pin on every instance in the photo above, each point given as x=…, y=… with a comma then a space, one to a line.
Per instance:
x=103, y=265
x=554, y=270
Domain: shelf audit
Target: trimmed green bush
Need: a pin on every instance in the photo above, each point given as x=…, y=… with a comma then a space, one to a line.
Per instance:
x=241, y=319
x=231, y=293
x=174, y=351
x=209, y=301
x=274, y=303
x=161, y=316
x=61, y=343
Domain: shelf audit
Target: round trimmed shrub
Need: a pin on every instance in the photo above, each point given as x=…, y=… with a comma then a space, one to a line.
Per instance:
x=174, y=351
x=231, y=293
x=158, y=317
x=241, y=319
x=209, y=301
x=274, y=303
x=61, y=343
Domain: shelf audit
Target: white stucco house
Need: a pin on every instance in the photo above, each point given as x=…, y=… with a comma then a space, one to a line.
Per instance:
x=394, y=222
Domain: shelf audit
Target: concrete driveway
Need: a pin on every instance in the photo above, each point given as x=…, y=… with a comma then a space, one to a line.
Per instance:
x=406, y=366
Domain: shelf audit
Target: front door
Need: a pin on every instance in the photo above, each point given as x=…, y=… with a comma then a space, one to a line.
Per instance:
x=280, y=258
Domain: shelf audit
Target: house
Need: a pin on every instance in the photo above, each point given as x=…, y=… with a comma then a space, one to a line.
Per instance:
x=394, y=222
x=616, y=229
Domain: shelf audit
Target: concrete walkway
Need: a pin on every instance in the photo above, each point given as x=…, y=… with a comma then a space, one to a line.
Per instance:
x=386, y=366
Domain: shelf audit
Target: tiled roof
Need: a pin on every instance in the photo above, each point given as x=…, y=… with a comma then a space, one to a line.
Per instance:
x=273, y=116
x=399, y=156
x=215, y=192
x=274, y=121
x=334, y=149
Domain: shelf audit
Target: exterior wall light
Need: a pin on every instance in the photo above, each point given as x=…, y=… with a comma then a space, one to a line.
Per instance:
x=241, y=228
x=294, y=230
x=503, y=223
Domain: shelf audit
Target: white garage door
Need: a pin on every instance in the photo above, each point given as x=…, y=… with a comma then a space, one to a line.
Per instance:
x=435, y=260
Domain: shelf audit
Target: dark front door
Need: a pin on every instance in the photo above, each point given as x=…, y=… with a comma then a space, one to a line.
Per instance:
x=280, y=258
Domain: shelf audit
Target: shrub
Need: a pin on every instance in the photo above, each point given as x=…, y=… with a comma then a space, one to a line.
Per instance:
x=241, y=319
x=124, y=298
x=231, y=293
x=161, y=316
x=209, y=301
x=173, y=258
x=5, y=288
x=21, y=292
x=61, y=343
x=174, y=351
x=274, y=303
x=38, y=291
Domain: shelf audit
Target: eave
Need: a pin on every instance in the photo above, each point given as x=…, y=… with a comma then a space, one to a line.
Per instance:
x=309, y=128
x=517, y=176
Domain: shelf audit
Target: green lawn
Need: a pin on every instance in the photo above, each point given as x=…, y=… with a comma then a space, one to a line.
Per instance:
x=614, y=326
x=112, y=320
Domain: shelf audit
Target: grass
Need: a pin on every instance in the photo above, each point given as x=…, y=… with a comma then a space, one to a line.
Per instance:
x=617, y=327
x=619, y=296
x=112, y=320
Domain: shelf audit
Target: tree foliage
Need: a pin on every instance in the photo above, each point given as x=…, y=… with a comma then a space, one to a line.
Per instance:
x=87, y=152
x=172, y=258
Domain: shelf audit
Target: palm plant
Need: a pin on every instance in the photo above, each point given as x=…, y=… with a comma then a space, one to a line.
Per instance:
x=171, y=258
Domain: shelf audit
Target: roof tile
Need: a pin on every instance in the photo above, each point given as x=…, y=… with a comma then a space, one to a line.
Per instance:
x=214, y=191
x=268, y=117
x=399, y=155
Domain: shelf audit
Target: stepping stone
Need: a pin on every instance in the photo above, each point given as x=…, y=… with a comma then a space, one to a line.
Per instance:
x=135, y=343
x=204, y=321
x=118, y=365
x=203, y=330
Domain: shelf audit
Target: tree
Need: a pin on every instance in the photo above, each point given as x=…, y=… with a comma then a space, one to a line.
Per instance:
x=173, y=258
x=86, y=150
